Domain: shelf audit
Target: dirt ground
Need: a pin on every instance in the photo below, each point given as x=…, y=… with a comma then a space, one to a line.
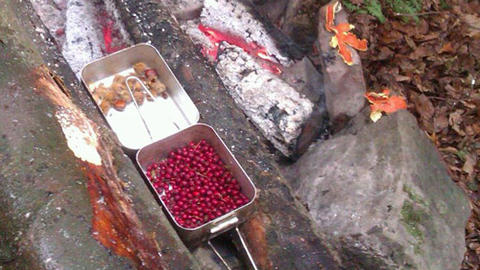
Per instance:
x=435, y=63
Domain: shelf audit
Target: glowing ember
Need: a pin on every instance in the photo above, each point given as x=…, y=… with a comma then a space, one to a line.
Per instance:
x=109, y=32
x=251, y=48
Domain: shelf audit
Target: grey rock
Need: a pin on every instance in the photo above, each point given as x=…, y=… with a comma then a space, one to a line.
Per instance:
x=344, y=85
x=304, y=77
x=382, y=194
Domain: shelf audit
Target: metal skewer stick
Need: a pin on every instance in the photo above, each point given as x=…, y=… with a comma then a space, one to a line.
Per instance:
x=241, y=245
x=243, y=248
x=135, y=102
x=145, y=88
x=219, y=255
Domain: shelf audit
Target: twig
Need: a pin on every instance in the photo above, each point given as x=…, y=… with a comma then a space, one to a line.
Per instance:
x=417, y=14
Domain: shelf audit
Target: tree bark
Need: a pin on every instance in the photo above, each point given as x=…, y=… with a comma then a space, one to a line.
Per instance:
x=62, y=207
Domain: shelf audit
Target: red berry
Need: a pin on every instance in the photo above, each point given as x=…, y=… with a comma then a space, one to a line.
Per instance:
x=197, y=185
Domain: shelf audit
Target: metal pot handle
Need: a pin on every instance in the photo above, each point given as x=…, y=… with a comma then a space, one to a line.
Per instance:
x=223, y=226
x=242, y=248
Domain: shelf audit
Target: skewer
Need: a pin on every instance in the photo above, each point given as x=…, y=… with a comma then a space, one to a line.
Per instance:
x=135, y=102
x=145, y=88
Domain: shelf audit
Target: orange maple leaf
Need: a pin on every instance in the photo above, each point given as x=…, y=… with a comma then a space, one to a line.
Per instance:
x=342, y=35
x=382, y=102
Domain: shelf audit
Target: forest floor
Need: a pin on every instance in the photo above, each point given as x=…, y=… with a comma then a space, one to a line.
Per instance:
x=434, y=61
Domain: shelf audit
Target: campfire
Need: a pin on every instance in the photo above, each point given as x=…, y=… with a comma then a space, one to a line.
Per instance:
x=208, y=134
x=254, y=64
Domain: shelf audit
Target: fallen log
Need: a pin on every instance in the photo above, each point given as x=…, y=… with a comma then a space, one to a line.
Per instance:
x=70, y=198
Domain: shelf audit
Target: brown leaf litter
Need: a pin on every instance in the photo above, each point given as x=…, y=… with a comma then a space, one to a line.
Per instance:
x=435, y=63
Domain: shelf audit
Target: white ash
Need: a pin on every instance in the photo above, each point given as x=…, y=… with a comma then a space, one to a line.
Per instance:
x=52, y=14
x=234, y=17
x=184, y=9
x=74, y=25
x=84, y=39
x=197, y=36
x=277, y=109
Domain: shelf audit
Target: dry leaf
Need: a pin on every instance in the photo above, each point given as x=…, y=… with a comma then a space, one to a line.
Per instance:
x=455, y=119
x=446, y=48
x=440, y=122
x=382, y=102
x=449, y=149
x=473, y=21
x=424, y=106
x=469, y=164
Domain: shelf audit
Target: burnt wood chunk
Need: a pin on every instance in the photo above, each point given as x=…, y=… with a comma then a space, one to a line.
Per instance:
x=283, y=235
x=70, y=198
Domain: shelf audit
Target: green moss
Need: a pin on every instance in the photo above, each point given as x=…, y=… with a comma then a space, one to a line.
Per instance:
x=410, y=8
x=412, y=218
x=3, y=143
x=413, y=196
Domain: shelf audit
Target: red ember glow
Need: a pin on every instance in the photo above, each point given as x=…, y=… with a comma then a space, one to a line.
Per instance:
x=109, y=33
x=251, y=48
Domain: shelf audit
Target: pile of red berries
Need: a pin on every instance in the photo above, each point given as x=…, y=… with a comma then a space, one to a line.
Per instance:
x=195, y=185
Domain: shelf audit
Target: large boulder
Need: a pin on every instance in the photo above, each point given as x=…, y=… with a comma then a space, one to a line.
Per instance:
x=383, y=195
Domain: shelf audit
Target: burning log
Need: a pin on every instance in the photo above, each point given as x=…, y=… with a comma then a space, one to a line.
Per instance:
x=83, y=30
x=235, y=17
x=236, y=23
x=289, y=241
x=273, y=105
x=70, y=199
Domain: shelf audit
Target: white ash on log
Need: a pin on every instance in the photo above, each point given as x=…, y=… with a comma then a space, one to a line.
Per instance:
x=184, y=9
x=234, y=21
x=83, y=38
x=273, y=106
x=53, y=16
x=235, y=17
x=83, y=30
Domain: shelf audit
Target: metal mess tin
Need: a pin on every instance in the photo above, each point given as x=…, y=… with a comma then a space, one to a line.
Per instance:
x=139, y=125
x=160, y=149
x=157, y=127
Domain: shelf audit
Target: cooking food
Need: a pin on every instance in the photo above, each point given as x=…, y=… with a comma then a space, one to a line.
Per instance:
x=117, y=95
x=195, y=185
